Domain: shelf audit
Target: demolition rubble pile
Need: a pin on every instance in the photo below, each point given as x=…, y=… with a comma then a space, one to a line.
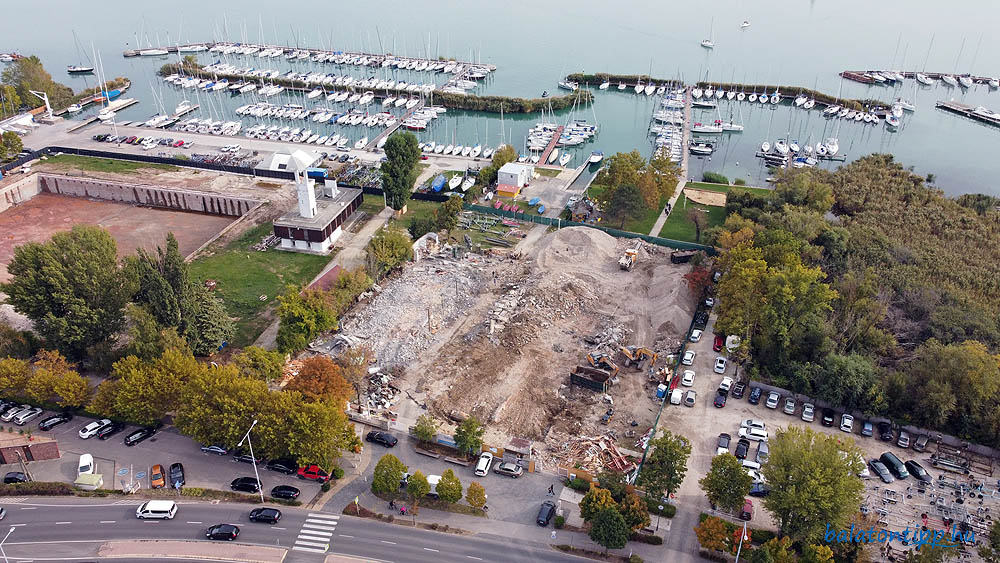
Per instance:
x=381, y=393
x=592, y=453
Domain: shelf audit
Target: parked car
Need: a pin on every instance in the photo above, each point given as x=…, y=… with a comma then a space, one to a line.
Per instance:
x=11, y=412
x=687, y=378
x=226, y=532
x=756, y=476
x=15, y=477
x=885, y=432
x=762, y=452
x=710, y=302
x=313, y=473
x=755, y=393
x=808, y=412
x=139, y=435
x=218, y=450
x=718, y=343
x=245, y=484
x=511, y=470
x=847, y=423
x=676, y=396
x=265, y=515
x=726, y=384
x=722, y=447
x=759, y=490
x=742, y=448
x=285, y=492
x=109, y=430
x=904, y=439
x=918, y=471
x=720, y=365
x=384, y=438
x=27, y=415
x=695, y=335
x=688, y=358
x=894, y=464
x=247, y=458
x=755, y=434
x=55, y=420
x=484, y=464
x=690, y=397
x=284, y=465
x=545, y=513
x=156, y=478
x=738, y=390
x=866, y=428
x=827, y=419
x=773, y=398
x=881, y=470
x=920, y=444
x=789, y=407
x=753, y=423
x=746, y=513
x=720, y=399
x=86, y=465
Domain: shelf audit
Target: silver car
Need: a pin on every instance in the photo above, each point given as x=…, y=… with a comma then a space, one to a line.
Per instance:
x=808, y=412
x=772, y=400
x=690, y=397
x=789, y=407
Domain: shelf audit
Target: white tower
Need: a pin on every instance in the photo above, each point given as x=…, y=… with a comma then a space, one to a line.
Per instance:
x=304, y=185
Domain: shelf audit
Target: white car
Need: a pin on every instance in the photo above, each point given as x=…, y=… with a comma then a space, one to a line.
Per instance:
x=772, y=400
x=753, y=423
x=90, y=430
x=688, y=358
x=695, y=335
x=720, y=365
x=756, y=476
x=808, y=412
x=755, y=434
x=86, y=466
x=687, y=378
x=484, y=464
x=675, y=396
x=847, y=423
x=726, y=385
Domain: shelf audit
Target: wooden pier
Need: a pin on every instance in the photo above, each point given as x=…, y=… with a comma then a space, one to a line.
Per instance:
x=544, y=158
x=390, y=130
x=980, y=114
x=120, y=106
x=864, y=76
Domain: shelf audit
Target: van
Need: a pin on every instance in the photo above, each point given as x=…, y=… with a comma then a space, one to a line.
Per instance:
x=675, y=396
x=894, y=465
x=156, y=509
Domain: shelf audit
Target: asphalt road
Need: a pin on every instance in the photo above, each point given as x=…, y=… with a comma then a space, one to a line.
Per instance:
x=71, y=528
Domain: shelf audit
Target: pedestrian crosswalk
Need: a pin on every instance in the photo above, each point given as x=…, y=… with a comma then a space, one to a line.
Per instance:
x=314, y=535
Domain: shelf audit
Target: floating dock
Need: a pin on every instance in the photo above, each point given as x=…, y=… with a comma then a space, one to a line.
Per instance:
x=544, y=158
x=865, y=76
x=390, y=130
x=116, y=105
x=979, y=113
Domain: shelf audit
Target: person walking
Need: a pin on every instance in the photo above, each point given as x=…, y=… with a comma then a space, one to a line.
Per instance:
x=552, y=491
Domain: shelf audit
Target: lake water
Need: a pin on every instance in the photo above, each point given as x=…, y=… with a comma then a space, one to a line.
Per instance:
x=535, y=44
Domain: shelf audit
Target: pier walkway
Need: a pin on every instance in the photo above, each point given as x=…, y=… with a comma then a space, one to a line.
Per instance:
x=977, y=113
x=658, y=225
x=390, y=130
x=544, y=158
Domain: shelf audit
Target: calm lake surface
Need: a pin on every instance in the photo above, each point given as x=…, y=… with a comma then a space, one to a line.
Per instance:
x=535, y=44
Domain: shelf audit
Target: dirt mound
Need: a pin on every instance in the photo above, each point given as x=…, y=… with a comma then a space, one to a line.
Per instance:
x=573, y=247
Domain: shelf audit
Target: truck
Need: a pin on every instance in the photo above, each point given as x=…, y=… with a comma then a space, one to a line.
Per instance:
x=631, y=256
x=682, y=256
x=591, y=378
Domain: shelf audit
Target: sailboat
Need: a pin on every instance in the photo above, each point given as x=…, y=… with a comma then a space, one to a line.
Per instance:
x=708, y=43
x=79, y=68
x=605, y=85
x=455, y=182
x=565, y=158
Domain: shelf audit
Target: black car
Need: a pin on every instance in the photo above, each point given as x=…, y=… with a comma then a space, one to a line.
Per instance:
x=226, y=532
x=828, y=416
x=881, y=470
x=15, y=477
x=384, y=438
x=885, y=432
x=139, y=435
x=918, y=471
x=755, y=393
x=213, y=449
x=247, y=458
x=266, y=515
x=739, y=389
x=545, y=513
x=55, y=420
x=742, y=448
x=109, y=430
x=720, y=399
x=284, y=465
x=759, y=490
x=285, y=492
x=245, y=484
x=176, y=474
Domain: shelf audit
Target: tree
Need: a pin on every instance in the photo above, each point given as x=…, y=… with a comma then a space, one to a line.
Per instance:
x=634, y=511
x=303, y=315
x=388, y=473
x=698, y=279
x=699, y=218
x=14, y=374
x=449, y=488
x=387, y=250
x=10, y=101
x=399, y=169
x=425, y=428
x=622, y=169
x=596, y=500
x=727, y=482
x=665, y=466
x=51, y=372
x=625, y=203
x=147, y=338
x=760, y=555
x=146, y=391
x=26, y=74
x=712, y=534
x=210, y=326
x=71, y=287
x=420, y=226
x=469, y=435
x=354, y=364
x=813, y=483
x=11, y=144
x=475, y=495
x=812, y=553
x=256, y=362
x=780, y=550
x=319, y=379
x=614, y=482
x=447, y=214
x=17, y=344
x=417, y=487
x=609, y=529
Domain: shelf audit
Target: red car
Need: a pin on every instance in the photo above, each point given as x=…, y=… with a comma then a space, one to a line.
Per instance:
x=178, y=144
x=717, y=346
x=314, y=473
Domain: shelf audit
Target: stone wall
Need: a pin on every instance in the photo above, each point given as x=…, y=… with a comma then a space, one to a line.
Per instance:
x=18, y=191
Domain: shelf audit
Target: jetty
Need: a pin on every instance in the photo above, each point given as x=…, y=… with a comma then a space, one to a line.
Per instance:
x=544, y=158
x=116, y=105
x=977, y=113
x=392, y=129
x=866, y=76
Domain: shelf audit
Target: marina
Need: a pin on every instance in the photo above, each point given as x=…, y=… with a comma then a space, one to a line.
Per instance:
x=978, y=113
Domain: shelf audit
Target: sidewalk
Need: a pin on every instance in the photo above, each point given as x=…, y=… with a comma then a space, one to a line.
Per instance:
x=358, y=465
x=156, y=549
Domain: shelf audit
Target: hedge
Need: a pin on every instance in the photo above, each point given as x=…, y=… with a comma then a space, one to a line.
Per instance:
x=714, y=178
x=646, y=538
x=578, y=484
x=757, y=536
x=43, y=488
x=669, y=510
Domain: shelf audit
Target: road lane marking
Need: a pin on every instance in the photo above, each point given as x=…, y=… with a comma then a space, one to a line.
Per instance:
x=277, y=528
x=63, y=522
x=431, y=549
x=473, y=557
x=311, y=543
x=16, y=525
x=309, y=549
x=107, y=521
x=312, y=538
x=388, y=542
x=194, y=522
x=329, y=516
x=345, y=536
x=28, y=507
x=318, y=527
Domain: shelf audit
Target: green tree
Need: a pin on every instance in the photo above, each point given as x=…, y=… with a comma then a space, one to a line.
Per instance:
x=387, y=250
x=399, y=169
x=449, y=489
x=388, y=473
x=147, y=338
x=712, y=534
x=812, y=553
x=420, y=226
x=447, y=215
x=469, y=435
x=147, y=391
x=614, y=482
x=634, y=511
x=475, y=495
x=317, y=431
x=417, y=487
x=596, y=500
x=625, y=203
x=813, y=482
x=425, y=429
x=26, y=74
x=609, y=529
x=665, y=465
x=760, y=555
x=71, y=287
x=17, y=344
x=14, y=374
x=11, y=144
x=10, y=102
x=622, y=169
x=780, y=550
x=256, y=362
x=727, y=482
x=302, y=316
x=210, y=324
x=953, y=384
x=503, y=155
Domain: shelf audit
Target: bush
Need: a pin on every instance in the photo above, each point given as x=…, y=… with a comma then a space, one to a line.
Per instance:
x=646, y=538
x=761, y=537
x=36, y=488
x=338, y=473
x=714, y=178
x=669, y=510
x=325, y=487
x=739, y=182
x=578, y=484
x=559, y=522
x=634, y=559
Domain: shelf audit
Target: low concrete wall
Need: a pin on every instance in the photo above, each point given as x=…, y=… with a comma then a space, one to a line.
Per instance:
x=18, y=191
x=153, y=196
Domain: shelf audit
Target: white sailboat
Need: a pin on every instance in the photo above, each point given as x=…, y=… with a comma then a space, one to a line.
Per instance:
x=708, y=43
x=565, y=158
x=604, y=85
x=553, y=155
x=455, y=182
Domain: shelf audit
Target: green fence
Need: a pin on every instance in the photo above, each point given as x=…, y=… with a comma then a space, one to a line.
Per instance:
x=560, y=223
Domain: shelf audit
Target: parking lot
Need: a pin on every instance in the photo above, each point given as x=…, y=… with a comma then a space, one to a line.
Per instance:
x=118, y=462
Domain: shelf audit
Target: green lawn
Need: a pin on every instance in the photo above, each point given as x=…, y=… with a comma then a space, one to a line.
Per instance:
x=725, y=188
x=93, y=164
x=679, y=227
x=243, y=275
x=373, y=204
x=550, y=172
x=642, y=224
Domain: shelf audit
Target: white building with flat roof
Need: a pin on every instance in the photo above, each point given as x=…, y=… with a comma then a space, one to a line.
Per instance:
x=515, y=174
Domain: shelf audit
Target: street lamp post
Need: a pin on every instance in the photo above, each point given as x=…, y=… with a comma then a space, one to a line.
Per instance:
x=659, y=510
x=2, y=552
x=246, y=438
x=743, y=538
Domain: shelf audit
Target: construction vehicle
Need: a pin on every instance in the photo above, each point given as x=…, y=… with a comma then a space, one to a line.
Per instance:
x=603, y=361
x=627, y=262
x=639, y=356
x=591, y=378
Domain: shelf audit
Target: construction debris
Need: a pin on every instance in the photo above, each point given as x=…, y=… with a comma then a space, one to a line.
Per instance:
x=594, y=454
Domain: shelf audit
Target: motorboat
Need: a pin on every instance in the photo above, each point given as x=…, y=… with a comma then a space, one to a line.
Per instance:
x=604, y=85
x=765, y=146
x=708, y=44
x=701, y=149
x=74, y=108
x=987, y=114
x=596, y=157
x=892, y=120
x=74, y=69
x=565, y=158
x=745, y=24
x=569, y=85
x=924, y=79
x=994, y=83
x=621, y=86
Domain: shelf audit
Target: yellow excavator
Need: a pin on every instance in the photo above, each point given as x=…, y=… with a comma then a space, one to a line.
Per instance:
x=603, y=361
x=638, y=355
x=627, y=262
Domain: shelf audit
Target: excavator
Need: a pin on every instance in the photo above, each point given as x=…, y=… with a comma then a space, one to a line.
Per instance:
x=627, y=262
x=603, y=361
x=638, y=355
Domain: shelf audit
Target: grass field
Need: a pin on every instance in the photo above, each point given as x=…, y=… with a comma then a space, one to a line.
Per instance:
x=548, y=172
x=93, y=164
x=725, y=188
x=642, y=224
x=243, y=275
x=678, y=227
x=373, y=204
